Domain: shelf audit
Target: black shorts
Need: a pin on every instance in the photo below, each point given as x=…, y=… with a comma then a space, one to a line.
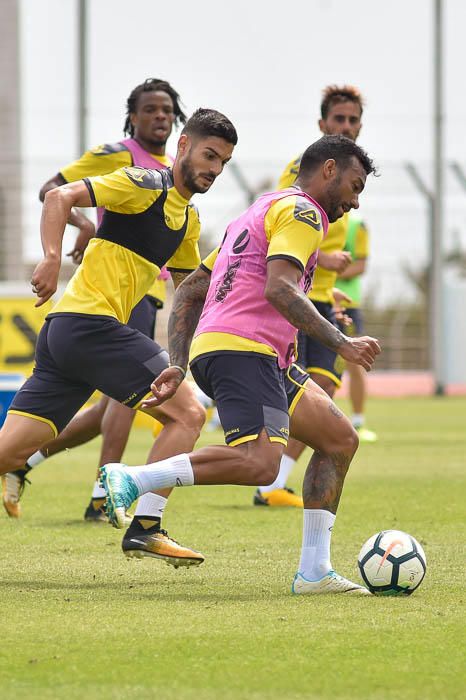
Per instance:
x=316, y=358
x=76, y=354
x=143, y=316
x=357, y=326
x=249, y=390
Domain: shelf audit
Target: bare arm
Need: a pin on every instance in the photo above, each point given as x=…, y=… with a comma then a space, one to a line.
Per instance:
x=75, y=218
x=55, y=213
x=357, y=267
x=283, y=293
x=186, y=310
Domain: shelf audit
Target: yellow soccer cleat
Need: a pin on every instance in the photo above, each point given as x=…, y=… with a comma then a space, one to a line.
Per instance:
x=13, y=484
x=158, y=544
x=366, y=435
x=284, y=498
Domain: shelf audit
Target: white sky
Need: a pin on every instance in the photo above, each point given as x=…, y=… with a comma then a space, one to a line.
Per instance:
x=264, y=64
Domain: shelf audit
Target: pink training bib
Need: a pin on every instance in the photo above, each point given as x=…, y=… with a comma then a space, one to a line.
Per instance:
x=236, y=301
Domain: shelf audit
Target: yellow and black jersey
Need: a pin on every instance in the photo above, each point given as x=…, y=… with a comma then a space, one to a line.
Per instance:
x=103, y=160
x=146, y=224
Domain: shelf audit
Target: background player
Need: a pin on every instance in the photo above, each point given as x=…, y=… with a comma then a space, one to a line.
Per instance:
x=349, y=282
x=152, y=109
x=244, y=344
x=341, y=112
x=83, y=344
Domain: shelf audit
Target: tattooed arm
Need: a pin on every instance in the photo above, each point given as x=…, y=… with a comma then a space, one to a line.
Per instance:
x=283, y=293
x=184, y=317
x=182, y=322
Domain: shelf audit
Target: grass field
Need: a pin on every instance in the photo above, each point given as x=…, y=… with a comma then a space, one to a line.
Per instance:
x=80, y=621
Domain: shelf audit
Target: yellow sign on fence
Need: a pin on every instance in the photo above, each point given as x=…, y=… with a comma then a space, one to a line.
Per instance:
x=20, y=323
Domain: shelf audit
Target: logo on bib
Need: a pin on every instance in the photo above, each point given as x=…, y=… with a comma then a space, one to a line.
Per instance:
x=241, y=242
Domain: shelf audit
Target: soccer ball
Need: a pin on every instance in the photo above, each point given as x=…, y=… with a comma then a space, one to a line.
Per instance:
x=392, y=563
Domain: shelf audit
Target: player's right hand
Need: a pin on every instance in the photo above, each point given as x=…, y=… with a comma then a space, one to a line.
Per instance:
x=44, y=279
x=164, y=387
x=360, y=351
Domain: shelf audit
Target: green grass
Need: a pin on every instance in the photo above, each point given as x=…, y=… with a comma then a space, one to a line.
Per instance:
x=80, y=621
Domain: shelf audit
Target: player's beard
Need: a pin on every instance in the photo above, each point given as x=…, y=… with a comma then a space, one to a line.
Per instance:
x=334, y=200
x=189, y=177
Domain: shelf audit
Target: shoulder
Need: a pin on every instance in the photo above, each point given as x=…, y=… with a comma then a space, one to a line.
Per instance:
x=145, y=178
x=108, y=149
x=297, y=207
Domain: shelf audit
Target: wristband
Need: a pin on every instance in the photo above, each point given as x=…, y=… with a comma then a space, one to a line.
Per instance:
x=183, y=371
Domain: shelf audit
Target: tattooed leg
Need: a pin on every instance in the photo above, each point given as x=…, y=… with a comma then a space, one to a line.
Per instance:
x=319, y=423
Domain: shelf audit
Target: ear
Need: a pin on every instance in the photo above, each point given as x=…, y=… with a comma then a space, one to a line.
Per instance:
x=183, y=144
x=321, y=124
x=329, y=169
x=133, y=118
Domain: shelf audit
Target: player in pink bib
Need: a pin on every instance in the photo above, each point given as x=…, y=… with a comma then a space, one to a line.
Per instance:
x=243, y=349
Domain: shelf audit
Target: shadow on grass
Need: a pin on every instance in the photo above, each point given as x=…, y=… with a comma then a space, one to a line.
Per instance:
x=138, y=591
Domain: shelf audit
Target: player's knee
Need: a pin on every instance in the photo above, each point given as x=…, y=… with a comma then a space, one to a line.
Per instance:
x=11, y=462
x=194, y=416
x=348, y=440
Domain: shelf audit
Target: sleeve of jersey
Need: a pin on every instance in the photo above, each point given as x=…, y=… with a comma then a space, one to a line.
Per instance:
x=91, y=164
x=187, y=257
x=117, y=192
x=361, y=249
x=208, y=263
x=294, y=230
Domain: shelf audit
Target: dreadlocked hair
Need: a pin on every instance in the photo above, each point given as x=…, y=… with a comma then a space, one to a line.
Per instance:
x=334, y=94
x=152, y=85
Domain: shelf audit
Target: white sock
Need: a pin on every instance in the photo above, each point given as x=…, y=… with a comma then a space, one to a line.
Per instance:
x=151, y=504
x=35, y=459
x=174, y=471
x=286, y=465
x=357, y=420
x=315, y=552
x=98, y=491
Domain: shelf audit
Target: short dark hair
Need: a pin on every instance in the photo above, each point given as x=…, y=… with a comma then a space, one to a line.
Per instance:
x=338, y=147
x=152, y=85
x=209, y=122
x=335, y=94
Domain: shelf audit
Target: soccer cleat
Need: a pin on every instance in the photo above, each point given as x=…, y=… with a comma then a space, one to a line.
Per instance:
x=121, y=492
x=278, y=497
x=330, y=583
x=13, y=484
x=95, y=512
x=366, y=435
x=157, y=543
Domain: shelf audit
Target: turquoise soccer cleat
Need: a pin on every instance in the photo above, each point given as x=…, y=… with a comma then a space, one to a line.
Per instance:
x=121, y=491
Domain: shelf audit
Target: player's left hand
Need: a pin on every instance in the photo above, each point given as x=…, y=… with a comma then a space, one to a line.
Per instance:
x=44, y=279
x=164, y=386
